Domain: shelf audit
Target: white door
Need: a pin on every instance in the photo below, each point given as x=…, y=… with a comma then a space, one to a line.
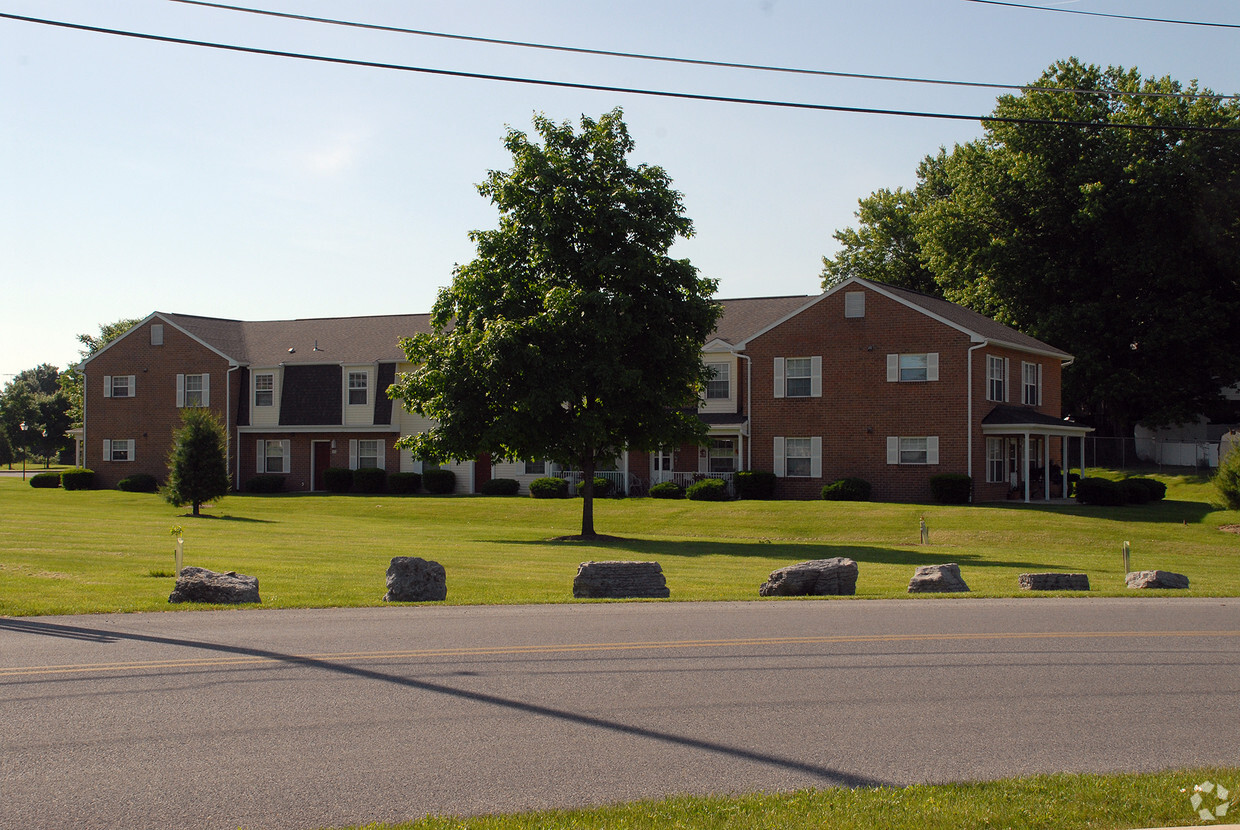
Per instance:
x=662, y=463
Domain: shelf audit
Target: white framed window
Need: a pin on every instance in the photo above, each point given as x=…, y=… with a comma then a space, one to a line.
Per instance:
x=798, y=457
x=719, y=387
x=914, y=450
x=1031, y=375
x=193, y=390
x=119, y=386
x=365, y=453
x=913, y=367
x=854, y=304
x=358, y=383
x=264, y=389
x=536, y=468
x=722, y=455
x=798, y=377
x=118, y=449
x=274, y=456
x=996, y=378
x=996, y=469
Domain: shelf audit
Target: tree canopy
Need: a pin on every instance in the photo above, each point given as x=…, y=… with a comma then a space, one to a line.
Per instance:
x=34, y=397
x=572, y=335
x=1120, y=245
x=198, y=461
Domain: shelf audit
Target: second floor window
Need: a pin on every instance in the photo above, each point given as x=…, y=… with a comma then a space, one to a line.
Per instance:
x=996, y=379
x=1032, y=383
x=264, y=389
x=193, y=391
x=720, y=384
x=797, y=379
x=120, y=386
x=914, y=367
x=357, y=388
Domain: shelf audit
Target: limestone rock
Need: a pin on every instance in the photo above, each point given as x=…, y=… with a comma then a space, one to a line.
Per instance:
x=620, y=580
x=413, y=579
x=816, y=578
x=202, y=585
x=1054, y=582
x=937, y=579
x=1156, y=579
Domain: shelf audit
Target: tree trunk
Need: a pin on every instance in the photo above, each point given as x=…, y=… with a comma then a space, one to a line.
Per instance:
x=196, y=506
x=587, y=495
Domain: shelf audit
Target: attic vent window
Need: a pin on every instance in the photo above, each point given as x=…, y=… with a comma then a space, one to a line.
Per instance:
x=157, y=334
x=854, y=304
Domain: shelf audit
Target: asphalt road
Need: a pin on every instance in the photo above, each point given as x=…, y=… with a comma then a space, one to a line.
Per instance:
x=305, y=719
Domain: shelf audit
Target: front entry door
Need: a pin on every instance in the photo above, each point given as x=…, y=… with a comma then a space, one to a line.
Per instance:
x=662, y=461
x=322, y=459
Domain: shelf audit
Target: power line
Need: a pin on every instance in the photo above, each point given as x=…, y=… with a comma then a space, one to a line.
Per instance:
x=670, y=59
x=1104, y=14
x=987, y=119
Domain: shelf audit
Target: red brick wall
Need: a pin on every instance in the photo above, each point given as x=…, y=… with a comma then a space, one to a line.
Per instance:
x=151, y=416
x=298, y=479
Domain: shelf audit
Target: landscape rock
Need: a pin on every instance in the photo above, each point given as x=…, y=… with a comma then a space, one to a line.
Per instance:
x=413, y=579
x=620, y=580
x=1054, y=582
x=937, y=579
x=1156, y=579
x=816, y=578
x=202, y=585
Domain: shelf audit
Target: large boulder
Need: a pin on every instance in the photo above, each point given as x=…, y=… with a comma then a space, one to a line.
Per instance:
x=1053, y=582
x=816, y=578
x=202, y=585
x=1156, y=579
x=413, y=579
x=937, y=579
x=620, y=580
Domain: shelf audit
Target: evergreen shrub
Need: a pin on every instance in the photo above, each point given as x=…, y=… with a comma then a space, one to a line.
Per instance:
x=847, y=489
x=708, y=489
x=755, y=484
x=549, y=487
x=77, y=478
x=439, y=482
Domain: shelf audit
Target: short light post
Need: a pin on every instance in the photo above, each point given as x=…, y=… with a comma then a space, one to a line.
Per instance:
x=22, y=427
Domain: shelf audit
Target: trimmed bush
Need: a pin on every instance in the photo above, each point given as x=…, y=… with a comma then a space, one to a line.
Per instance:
x=265, y=483
x=667, y=490
x=1155, y=490
x=1134, y=491
x=602, y=487
x=404, y=483
x=951, y=488
x=1100, y=491
x=139, y=483
x=1227, y=480
x=77, y=478
x=755, y=484
x=847, y=489
x=500, y=487
x=45, y=481
x=369, y=480
x=549, y=488
x=708, y=489
x=338, y=479
x=439, y=482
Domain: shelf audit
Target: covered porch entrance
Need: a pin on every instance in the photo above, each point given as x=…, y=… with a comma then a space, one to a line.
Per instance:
x=1020, y=456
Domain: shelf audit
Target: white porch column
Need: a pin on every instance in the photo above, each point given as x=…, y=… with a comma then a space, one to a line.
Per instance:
x=1025, y=465
x=1064, y=467
x=1046, y=467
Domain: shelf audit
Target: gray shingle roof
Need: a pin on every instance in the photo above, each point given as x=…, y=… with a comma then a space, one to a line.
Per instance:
x=743, y=318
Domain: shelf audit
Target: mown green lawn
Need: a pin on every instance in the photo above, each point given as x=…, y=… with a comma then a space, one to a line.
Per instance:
x=97, y=551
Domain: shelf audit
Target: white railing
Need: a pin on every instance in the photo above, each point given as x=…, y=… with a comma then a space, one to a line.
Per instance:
x=629, y=484
x=685, y=479
x=619, y=480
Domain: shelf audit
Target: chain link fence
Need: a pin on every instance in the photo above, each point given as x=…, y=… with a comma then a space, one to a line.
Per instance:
x=1146, y=453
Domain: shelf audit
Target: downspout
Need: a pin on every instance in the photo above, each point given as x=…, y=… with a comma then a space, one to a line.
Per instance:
x=968, y=433
x=228, y=418
x=748, y=431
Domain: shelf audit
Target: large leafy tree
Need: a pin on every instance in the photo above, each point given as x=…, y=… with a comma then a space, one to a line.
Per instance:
x=1121, y=245
x=572, y=335
x=198, y=462
x=71, y=379
x=34, y=397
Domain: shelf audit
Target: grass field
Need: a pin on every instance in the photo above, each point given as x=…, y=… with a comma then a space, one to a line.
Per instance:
x=98, y=551
x=1047, y=802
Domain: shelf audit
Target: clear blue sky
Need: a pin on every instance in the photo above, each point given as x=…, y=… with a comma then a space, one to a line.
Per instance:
x=139, y=176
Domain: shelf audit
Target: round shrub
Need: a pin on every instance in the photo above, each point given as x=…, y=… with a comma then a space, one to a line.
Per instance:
x=708, y=489
x=45, y=481
x=951, y=488
x=266, y=483
x=338, y=479
x=439, y=482
x=1134, y=491
x=667, y=490
x=602, y=487
x=369, y=480
x=549, y=488
x=755, y=484
x=500, y=487
x=847, y=489
x=1100, y=491
x=77, y=478
x=138, y=483
x=1227, y=480
x=404, y=483
x=1155, y=490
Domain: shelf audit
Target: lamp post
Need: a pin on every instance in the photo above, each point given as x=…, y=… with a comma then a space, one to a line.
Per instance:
x=22, y=427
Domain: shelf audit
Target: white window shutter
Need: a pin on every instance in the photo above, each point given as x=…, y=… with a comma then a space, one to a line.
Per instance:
x=107, y=450
x=779, y=456
x=932, y=449
x=893, y=368
x=133, y=449
x=815, y=376
x=893, y=449
x=932, y=366
x=288, y=462
x=107, y=386
x=180, y=391
x=260, y=455
x=206, y=390
x=815, y=456
x=1007, y=381
x=779, y=377
x=1039, y=384
x=383, y=458
x=352, y=453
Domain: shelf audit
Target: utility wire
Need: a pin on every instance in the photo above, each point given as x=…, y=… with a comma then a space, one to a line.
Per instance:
x=986, y=119
x=669, y=59
x=1104, y=14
